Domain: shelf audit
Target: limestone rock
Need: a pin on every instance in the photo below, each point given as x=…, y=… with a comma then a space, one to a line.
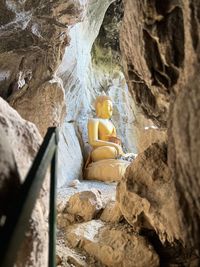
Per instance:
x=81, y=207
x=113, y=245
x=149, y=135
x=70, y=158
x=23, y=136
x=34, y=35
x=24, y=141
x=160, y=46
x=111, y=213
x=147, y=196
x=184, y=157
x=9, y=175
x=47, y=105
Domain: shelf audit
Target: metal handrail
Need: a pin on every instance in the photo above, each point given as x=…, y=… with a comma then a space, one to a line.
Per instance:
x=13, y=231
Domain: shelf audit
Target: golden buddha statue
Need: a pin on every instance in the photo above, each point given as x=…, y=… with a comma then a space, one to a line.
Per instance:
x=102, y=133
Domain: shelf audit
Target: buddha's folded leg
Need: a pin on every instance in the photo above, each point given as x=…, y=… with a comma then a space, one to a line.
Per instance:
x=104, y=152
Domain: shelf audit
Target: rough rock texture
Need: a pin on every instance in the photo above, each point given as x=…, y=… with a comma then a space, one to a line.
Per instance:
x=9, y=175
x=81, y=207
x=45, y=106
x=150, y=135
x=160, y=46
x=153, y=43
x=23, y=136
x=33, y=38
x=111, y=213
x=184, y=159
x=24, y=140
x=147, y=196
x=113, y=245
x=68, y=255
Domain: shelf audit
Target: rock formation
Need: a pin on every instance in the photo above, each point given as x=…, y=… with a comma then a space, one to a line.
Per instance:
x=24, y=140
x=147, y=195
x=113, y=246
x=33, y=38
x=9, y=175
x=160, y=46
x=81, y=207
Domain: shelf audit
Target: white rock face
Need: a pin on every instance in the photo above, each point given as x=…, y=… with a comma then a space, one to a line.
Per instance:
x=70, y=155
x=83, y=82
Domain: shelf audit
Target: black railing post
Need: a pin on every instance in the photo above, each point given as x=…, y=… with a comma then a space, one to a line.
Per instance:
x=13, y=232
x=52, y=206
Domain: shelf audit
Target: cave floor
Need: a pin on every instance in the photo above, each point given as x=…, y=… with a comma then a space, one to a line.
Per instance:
x=66, y=256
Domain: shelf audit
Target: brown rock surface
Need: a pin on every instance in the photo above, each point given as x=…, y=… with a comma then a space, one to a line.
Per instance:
x=149, y=135
x=147, y=196
x=184, y=155
x=160, y=47
x=158, y=51
x=81, y=207
x=24, y=140
x=23, y=136
x=34, y=35
x=9, y=176
x=114, y=246
x=111, y=213
x=47, y=105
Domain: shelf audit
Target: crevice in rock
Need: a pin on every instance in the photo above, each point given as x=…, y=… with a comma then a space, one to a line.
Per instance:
x=169, y=253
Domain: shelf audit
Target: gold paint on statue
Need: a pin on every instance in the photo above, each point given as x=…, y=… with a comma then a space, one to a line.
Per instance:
x=102, y=133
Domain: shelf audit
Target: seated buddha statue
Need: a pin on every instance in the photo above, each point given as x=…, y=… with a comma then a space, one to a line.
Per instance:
x=102, y=133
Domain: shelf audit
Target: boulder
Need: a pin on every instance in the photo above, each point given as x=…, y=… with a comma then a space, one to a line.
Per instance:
x=147, y=196
x=9, y=175
x=24, y=141
x=81, y=207
x=114, y=246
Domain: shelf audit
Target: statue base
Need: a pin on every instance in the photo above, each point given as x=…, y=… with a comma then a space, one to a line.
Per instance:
x=107, y=170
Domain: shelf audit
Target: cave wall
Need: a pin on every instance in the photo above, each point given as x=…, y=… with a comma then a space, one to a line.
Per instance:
x=34, y=35
x=160, y=46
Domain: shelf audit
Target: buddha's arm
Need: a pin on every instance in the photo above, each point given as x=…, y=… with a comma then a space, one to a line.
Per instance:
x=95, y=141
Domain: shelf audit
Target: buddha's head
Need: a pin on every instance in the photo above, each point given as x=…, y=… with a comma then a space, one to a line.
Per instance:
x=103, y=107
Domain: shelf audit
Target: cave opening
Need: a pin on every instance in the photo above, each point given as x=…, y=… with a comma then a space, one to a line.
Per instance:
x=56, y=58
